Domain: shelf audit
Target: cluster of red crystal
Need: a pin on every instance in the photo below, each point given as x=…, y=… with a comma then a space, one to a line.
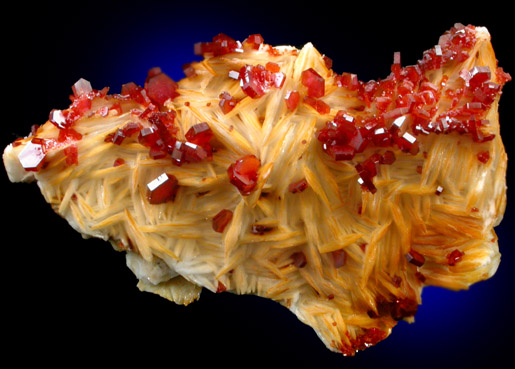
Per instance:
x=396, y=307
x=33, y=155
x=370, y=337
x=257, y=80
x=158, y=88
x=403, y=106
x=315, y=86
x=222, y=44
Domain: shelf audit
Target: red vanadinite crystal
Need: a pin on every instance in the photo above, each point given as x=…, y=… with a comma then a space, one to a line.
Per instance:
x=136, y=93
x=162, y=189
x=199, y=134
x=314, y=82
x=254, y=41
x=319, y=105
x=370, y=337
x=387, y=158
x=227, y=102
x=123, y=132
x=221, y=220
x=221, y=287
x=292, y=99
x=483, y=157
x=32, y=157
x=298, y=186
x=299, y=259
x=454, y=257
x=189, y=70
x=72, y=155
x=118, y=162
x=256, y=80
x=401, y=308
x=160, y=87
x=244, y=173
x=348, y=80
x=415, y=258
x=220, y=45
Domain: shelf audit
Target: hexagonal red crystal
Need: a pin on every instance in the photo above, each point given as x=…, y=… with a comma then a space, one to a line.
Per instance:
x=32, y=156
x=292, y=99
x=227, y=102
x=314, y=82
x=244, y=173
x=160, y=87
x=162, y=189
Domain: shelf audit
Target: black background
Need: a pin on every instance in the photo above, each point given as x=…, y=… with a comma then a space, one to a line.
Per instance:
x=68, y=300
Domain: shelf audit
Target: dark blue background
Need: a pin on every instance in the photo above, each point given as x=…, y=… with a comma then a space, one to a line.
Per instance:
x=69, y=296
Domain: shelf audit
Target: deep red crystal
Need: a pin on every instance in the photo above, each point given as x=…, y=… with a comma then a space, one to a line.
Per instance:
x=415, y=258
x=292, y=99
x=199, y=134
x=483, y=157
x=227, y=102
x=221, y=220
x=388, y=157
x=254, y=41
x=160, y=87
x=454, y=257
x=298, y=186
x=314, y=82
x=319, y=105
x=72, y=155
x=256, y=80
x=162, y=189
x=244, y=173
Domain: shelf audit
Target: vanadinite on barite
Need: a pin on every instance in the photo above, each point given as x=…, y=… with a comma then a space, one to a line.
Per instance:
x=265, y=172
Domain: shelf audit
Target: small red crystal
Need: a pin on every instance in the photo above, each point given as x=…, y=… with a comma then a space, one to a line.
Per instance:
x=298, y=186
x=454, y=257
x=348, y=80
x=136, y=93
x=387, y=158
x=314, y=82
x=415, y=258
x=227, y=102
x=244, y=173
x=483, y=157
x=292, y=99
x=221, y=287
x=118, y=162
x=162, y=189
x=319, y=105
x=160, y=87
x=72, y=155
x=221, y=220
x=254, y=41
